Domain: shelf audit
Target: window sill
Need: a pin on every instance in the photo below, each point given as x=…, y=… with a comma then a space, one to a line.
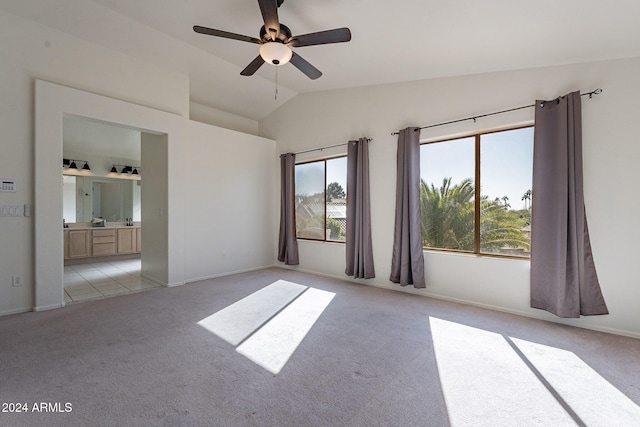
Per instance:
x=474, y=255
x=335, y=242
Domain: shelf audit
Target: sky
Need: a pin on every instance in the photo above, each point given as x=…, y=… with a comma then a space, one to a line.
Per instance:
x=506, y=163
x=310, y=176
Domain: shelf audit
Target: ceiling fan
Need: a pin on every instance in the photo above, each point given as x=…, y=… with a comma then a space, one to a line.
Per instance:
x=276, y=41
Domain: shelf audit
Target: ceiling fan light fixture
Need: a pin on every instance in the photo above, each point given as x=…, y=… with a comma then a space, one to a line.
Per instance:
x=275, y=53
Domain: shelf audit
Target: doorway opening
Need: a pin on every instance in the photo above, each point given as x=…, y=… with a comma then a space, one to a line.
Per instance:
x=53, y=103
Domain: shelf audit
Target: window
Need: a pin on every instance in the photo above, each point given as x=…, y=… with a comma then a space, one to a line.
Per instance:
x=321, y=200
x=495, y=220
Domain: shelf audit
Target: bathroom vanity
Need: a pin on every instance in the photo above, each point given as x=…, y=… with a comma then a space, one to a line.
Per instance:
x=84, y=243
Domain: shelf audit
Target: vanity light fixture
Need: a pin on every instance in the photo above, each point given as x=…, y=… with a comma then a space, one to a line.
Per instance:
x=73, y=165
x=133, y=170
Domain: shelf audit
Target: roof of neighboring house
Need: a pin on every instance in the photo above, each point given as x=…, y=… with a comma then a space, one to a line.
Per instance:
x=334, y=210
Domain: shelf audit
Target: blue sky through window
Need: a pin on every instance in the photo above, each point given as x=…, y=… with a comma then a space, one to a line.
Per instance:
x=506, y=163
x=310, y=176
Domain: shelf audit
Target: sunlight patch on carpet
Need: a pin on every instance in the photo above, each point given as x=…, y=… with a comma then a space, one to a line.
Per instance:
x=489, y=379
x=595, y=400
x=272, y=345
x=239, y=320
x=268, y=326
x=485, y=383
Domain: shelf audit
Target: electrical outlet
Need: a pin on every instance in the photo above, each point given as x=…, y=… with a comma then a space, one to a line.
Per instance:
x=17, y=281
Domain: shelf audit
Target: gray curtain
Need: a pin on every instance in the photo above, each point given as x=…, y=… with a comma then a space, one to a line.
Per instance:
x=287, y=243
x=407, y=264
x=358, y=246
x=563, y=274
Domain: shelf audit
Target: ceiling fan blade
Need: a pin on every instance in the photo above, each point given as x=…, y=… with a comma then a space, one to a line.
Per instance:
x=225, y=34
x=339, y=35
x=269, y=10
x=302, y=65
x=253, y=66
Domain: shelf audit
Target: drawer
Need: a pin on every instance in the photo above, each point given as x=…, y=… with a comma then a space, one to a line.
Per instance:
x=100, y=249
x=104, y=233
x=103, y=236
x=104, y=239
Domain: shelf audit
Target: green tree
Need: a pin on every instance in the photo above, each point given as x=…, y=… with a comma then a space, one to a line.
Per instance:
x=335, y=191
x=505, y=199
x=310, y=216
x=336, y=230
x=526, y=197
x=500, y=228
x=447, y=215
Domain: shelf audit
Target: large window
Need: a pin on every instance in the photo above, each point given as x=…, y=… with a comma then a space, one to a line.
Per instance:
x=475, y=193
x=321, y=200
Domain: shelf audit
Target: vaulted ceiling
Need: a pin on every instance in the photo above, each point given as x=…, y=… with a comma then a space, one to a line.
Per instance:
x=392, y=41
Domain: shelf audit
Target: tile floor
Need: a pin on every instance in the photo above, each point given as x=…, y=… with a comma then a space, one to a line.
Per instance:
x=84, y=282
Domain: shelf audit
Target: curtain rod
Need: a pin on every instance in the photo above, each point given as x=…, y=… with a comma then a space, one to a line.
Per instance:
x=324, y=148
x=590, y=94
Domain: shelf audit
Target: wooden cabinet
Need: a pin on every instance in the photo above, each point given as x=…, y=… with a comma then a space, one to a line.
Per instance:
x=79, y=243
x=127, y=241
x=101, y=242
x=104, y=242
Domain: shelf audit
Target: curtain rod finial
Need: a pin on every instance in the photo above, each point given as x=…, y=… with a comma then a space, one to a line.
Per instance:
x=598, y=91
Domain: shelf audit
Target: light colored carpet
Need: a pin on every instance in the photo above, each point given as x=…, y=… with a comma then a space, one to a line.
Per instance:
x=239, y=320
x=345, y=355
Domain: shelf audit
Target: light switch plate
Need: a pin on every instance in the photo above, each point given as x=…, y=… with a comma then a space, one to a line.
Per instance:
x=10, y=210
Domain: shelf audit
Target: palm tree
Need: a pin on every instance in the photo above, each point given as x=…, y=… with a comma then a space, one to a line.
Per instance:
x=500, y=228
x=505, y=199
x=527, y=197
x=447, y=214
x=448, y=219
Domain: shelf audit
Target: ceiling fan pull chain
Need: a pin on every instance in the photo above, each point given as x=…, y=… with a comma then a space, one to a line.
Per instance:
x=276, y=97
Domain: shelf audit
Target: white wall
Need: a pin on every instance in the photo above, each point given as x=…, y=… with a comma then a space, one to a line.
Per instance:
x=113, y=89
x=610, y=153
x=213, y=116
x=229, y=204
x=183, y=160
x=30, y=51
x=155, y=210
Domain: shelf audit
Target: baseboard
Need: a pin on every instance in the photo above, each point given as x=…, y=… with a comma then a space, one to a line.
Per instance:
x=423, y=293
x=154, y=280
x=569, y=322
x=228, y=273
x=173, y=284
x=49, y=307
x=16, y=311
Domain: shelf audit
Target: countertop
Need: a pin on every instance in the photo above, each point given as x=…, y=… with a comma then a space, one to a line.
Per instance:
x=87, y=225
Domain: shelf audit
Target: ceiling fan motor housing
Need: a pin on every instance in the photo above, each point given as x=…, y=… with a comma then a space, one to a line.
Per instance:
x=285, y=34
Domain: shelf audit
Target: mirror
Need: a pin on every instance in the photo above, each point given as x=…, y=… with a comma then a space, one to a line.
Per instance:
x=87, y=197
